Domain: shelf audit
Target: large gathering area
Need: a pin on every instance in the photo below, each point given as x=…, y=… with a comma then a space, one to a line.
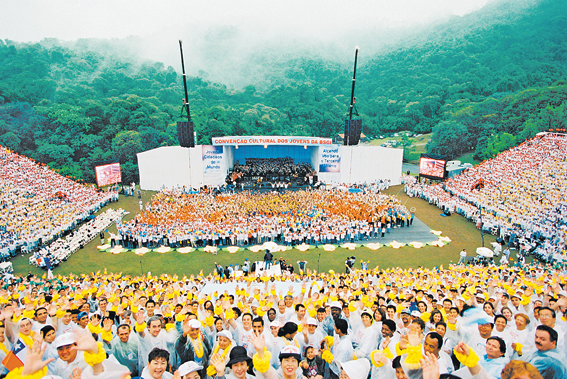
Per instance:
x=422, y=279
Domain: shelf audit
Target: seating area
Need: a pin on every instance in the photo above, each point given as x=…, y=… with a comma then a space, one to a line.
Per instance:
x=38, y=205
x=63, y=248
x=521, y=197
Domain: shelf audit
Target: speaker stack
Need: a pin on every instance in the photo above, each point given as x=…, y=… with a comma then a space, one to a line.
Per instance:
x=185, y=134
x=353, y=128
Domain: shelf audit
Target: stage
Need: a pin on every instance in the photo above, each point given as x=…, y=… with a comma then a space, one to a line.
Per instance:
x=175, y=166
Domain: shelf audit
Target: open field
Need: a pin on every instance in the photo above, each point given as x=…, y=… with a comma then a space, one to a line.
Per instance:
x=419, y=142
x=413, y=151
x=468, y=158
x=462, y=233
x=418, y=147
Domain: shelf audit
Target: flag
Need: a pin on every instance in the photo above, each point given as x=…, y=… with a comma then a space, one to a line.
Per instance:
x=476, y=316
x=16, y=357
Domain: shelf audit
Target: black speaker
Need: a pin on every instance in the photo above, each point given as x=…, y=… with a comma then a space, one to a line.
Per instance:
x=353, y=129
x=185, y=134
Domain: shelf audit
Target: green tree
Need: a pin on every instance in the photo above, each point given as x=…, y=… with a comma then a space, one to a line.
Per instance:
x=126, y=145
x=449, y=139
x=497, y=144
x=56, y=154
x=11, y=140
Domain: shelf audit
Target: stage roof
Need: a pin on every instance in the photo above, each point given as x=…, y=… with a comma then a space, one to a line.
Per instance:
x=271, y=140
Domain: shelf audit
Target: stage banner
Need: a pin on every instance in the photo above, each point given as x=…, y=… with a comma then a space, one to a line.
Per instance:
x=330, y=158
x=272, y=140
x=212, y=159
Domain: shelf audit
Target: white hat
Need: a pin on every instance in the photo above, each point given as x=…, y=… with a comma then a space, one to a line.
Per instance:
x=195, y=324
x=290, y=351
x=225, y=333
x=517, y=294
x=64, y=340
x=276, y=324
x=311, y=321
x=255, y=303
x=415, y=313
x=357, y=369
x=336, y=304
x=189, y=367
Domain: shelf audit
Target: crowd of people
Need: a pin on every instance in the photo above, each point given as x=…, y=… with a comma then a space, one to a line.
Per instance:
x=519, y=195
x=37, y=204
x=475, y=321
x=50, y=256
x=281, y=169
x=291, y=218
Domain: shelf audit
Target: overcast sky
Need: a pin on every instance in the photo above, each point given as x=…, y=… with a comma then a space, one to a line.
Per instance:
x=235, y=42
x=33, y=20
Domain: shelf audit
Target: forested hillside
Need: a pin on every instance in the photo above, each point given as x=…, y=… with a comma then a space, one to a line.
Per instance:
x=482, y=82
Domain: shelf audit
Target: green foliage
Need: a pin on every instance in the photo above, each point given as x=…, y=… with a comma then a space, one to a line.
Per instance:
x=11, y=140
x=58, y=154
x=126, y=145
x=496, y=124
x=449, y=139
x=496, y=144
x=484, y=81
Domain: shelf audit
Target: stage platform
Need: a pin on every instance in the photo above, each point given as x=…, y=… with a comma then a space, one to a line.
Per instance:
x=209, y=165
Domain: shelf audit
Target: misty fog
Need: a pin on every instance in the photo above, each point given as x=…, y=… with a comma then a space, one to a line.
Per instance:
x=235, y=43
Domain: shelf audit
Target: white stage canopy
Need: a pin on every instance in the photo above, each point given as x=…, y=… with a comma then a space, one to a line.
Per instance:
x=176, y=166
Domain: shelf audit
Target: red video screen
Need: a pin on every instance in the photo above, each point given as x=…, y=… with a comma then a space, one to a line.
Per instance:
x=434, y=168
x=108, y=174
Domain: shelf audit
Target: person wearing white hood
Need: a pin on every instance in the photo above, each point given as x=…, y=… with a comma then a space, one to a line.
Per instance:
x=221, y=350
x=355, y=369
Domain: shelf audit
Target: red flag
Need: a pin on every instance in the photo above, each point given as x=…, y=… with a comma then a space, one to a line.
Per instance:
x=16, y=357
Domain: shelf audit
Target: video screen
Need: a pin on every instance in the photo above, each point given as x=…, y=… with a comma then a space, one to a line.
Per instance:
x=108, y=174
x=432, y=168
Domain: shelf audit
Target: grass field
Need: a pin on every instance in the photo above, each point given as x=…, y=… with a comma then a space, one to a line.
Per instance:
x=413, y=151
x=418, y=147
x=419, y=142
x=468, y=158
x=462, y=233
